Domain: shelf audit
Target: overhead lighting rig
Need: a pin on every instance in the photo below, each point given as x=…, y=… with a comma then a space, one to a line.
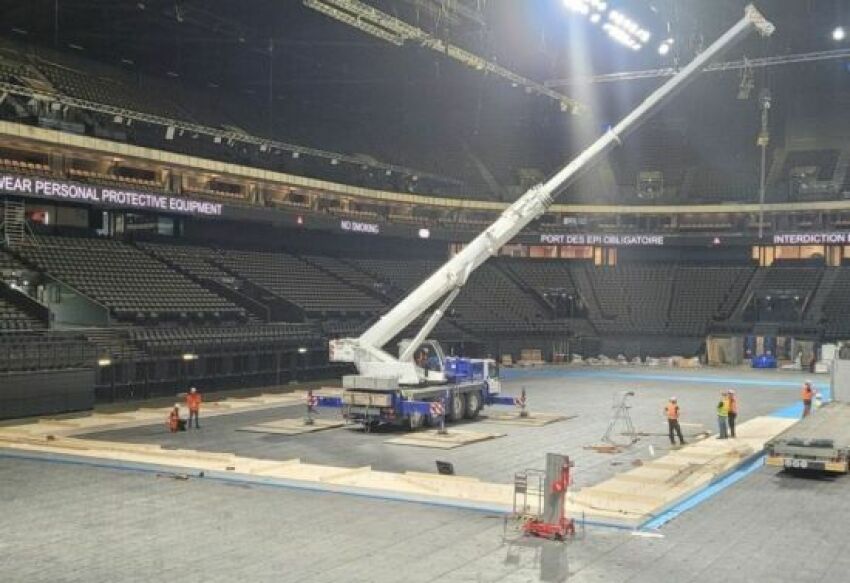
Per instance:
x=398, y=32
x=617, y=25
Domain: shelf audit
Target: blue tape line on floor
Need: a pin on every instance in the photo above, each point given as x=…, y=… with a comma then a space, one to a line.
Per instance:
x=704, y=494
x=768, y=383
x=268, y=482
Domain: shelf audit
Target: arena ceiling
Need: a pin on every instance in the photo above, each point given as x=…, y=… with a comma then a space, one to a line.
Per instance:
x=305, y=66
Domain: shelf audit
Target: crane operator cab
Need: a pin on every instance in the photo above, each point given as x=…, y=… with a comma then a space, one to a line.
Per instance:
x=430, y=358
x=437, y=368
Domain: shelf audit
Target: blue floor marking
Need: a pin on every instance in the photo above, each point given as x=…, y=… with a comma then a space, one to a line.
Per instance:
x=747, y=467
x=703, y=494
x=516, y=374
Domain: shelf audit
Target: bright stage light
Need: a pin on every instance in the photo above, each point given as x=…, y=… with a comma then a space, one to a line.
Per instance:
x=839, y=34
x=663, y=49
x=580, y=6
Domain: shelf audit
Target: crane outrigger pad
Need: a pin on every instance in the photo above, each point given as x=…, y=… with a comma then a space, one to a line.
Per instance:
x=294, y=426
x=530, y=420
x=449, y=440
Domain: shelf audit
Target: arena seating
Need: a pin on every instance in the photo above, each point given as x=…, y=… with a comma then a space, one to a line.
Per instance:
x=117, y=89
x=823, y=161
x=799, y=280
x=836, y=307
x=631, y=298
x=300, y=282
x=127, y=281
x=192, y=259
x=42, y=351
x=176, y=340
x=13, y=318
x=699, y=294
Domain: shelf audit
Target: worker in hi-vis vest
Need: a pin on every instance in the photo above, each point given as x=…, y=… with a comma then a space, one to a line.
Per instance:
x=672, y=412
x=732, y=408
x=193, y=403
x=806, y=394
x=723, y=416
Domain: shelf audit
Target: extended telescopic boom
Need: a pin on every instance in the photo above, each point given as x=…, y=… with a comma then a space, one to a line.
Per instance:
x=366, y=351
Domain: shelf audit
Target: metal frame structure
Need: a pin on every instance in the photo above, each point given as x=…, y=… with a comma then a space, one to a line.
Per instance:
x=741, y=64
x=220, y=134
x=394, y=30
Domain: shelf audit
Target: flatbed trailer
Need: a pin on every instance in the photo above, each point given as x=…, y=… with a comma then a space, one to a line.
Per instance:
x=819, y=442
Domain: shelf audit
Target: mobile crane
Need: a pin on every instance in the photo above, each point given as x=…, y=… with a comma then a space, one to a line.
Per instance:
x=392, y=389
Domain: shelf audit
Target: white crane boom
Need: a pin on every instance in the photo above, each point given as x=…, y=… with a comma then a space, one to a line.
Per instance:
x=367, y=353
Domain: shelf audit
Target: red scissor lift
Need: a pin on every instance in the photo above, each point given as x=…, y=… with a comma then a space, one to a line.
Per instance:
x=540, y=499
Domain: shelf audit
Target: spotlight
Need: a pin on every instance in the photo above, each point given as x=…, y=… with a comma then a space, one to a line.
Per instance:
x=302, y=350
x=663, y=49
x=839, y=34
x=595, y=17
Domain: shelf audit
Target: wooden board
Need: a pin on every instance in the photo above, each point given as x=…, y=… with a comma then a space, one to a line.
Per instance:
x=532, y=420
x=292, y=426
x=629, y=498
x=451, y=439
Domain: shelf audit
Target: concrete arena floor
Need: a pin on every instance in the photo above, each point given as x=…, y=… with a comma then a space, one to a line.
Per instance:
x=588, y=394
x=78, y=523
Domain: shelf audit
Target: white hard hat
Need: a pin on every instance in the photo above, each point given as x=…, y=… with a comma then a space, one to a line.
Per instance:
x=192, y=390
x=808, y=382
x=672, y=398
x=731, y=391
x=176, y=405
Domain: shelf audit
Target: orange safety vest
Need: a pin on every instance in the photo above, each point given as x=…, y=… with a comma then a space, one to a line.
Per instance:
x=173, y=420
x=672, y=411
x=193, y=401
x=807, y=393
x=732, y=405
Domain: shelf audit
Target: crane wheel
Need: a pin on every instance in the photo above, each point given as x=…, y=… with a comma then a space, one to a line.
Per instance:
x=457, y=407
x=416, y=420
x=473, y=405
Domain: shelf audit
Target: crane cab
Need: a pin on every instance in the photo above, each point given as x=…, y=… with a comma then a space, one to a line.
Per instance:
x=430, y=358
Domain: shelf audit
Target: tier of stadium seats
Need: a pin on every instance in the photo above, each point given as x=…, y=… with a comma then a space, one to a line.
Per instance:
x=632, y=299
x=300, y=282
x=543, y=275
x=836, y=308
x=40, y=351
x=799, y=281
x=487, y=299
x=127, y=281
x=699, y=294
x=196, y=339
x=13, y=318
x=117, y=90
x=192, y=259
